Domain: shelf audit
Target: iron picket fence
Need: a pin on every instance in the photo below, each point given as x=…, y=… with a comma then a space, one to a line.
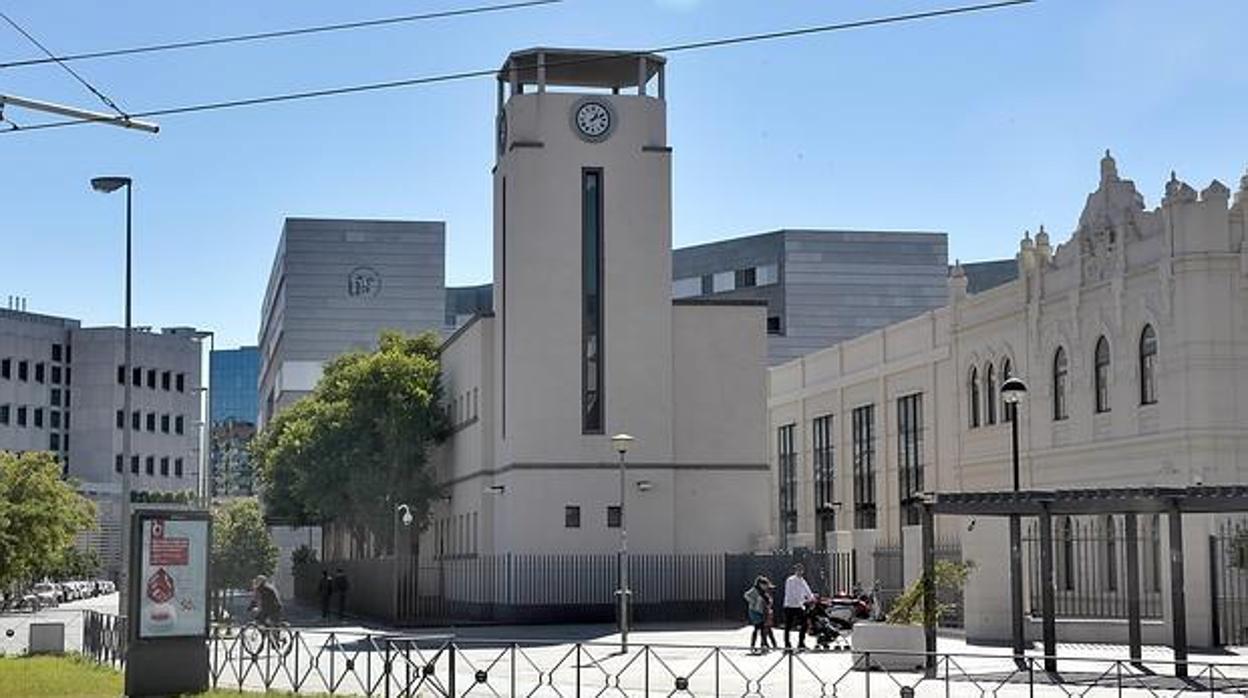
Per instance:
x=1228, y=574
x=104, y=637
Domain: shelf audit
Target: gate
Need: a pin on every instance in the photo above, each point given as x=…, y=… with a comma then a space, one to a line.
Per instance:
x=1228, y=568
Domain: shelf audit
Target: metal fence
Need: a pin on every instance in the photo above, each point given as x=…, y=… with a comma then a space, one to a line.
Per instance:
x=104, y=637
x=447, y=667
x=1090, y=559
x=1228, y=572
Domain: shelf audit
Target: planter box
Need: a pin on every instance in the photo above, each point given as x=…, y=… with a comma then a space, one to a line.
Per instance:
x=892, y=647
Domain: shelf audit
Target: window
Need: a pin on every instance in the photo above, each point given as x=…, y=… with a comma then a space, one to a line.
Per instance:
x=613, y=516
x=56, y=352
x=150, y=465
x=21, y=416
x=136, y=420
x=6, y=368
x=54, y=396
x=723, y=281
x=56, y=375
x=572, y=516
x=591, y=302
x=67, y=396
x=973, y=393
x=164, y=466
x=4, y=414
x=38, y=417
x=767, y=274
x=54, y=419
x=1148, y=366
x=69, y=375
x=178, y=425
x=165, y=380
x=23, y=370
x=151, y=378
x=54, y=441
x=787, y=460
x=67, y=427
x=1059, y=384
x=773, y=325
x=134, y=465
x=1100, y=375
x=136, y=379
x=177, y=467
x=686, y=288
x=181, y=382
x=117, y=462
x=151, y=421
x=121, y=374
x=708, y=284
x=121, y=419
x=745, y=278
x=864, y=466
x=164, y=424
x=990, y=395
x=40, y=372
x=1007, y=410
x=823, y=452
x=69, y=354
x=910, y=456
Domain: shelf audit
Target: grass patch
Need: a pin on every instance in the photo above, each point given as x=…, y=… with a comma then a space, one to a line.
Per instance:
x=77, y=677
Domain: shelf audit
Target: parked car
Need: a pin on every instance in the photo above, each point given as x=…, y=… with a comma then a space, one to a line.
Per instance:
x=47, y=594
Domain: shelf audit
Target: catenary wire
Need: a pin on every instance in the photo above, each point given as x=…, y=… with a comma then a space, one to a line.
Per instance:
x=490, y=72
x=52, y=58
x=263, y=36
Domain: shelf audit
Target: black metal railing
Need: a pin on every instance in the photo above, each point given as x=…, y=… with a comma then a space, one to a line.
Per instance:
x=104, y=637
x=1228, y=572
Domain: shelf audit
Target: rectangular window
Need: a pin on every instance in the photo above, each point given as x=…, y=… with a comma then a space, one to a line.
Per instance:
x=121, y=419
x=54, y=396
x=150, y=465
x=151, y=378
x=69, y=375
x=591, y=303
x=121, y=374
x=864, y=466
x=66, y=420
x=708, y=284
x=823, y=450
x=40, y=371
x=38, y=417
x=910, y=457
x=54, y=441
x=745, y=278
x=786, y=457
x=65, y=440
x=67, y=397
x=179, y=425
x=177, y=467
x=767, y=274
x=151, y=421
x=56, y=375
x=117, y=462
x=613, y=516
x=773, y=325
x=572, y=516
x=164, y=466
x=723, y=281
x=4, y=414
x=54, y=419
x=21, y=416
x=134, y=465
x=165, y=380
x=687, y=288
x=56, y=352
x=6, y=368
x=23, y=370
x=136, y=420
x=164, y=424
x=69, y=354
x=136, y=378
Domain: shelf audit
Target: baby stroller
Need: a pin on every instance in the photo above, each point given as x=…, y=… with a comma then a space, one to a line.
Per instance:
x=829, y=631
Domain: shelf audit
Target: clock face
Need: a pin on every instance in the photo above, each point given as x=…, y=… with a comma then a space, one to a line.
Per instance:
x=593, y=120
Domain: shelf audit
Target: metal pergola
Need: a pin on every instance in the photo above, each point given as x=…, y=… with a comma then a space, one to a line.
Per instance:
x=1130, y=502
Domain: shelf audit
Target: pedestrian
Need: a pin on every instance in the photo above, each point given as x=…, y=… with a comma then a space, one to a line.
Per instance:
x=341, y=585
x=325, y=590
x=757, y=600
x=796, y=595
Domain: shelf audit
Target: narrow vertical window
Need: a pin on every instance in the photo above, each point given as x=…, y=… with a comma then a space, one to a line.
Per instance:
x=787, y=461
x=864, y=466
x=1059, y=384
x=591, y=301
x=1101, y=374
x=824, y=472
x=990, y=395
x=1148, y=366
x=910, y=457
x=973, y=392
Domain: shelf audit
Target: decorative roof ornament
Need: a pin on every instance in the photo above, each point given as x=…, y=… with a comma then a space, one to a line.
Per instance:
x=1178, y=191
x=958, y=272
x=1242, y=195
x=1042, y=237
x=1109, y=168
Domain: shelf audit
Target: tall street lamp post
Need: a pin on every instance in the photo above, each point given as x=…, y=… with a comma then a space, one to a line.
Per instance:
x=1012, y=392
x=621, y=443
x=203, y=483
x=108, y=185
x=402, y=513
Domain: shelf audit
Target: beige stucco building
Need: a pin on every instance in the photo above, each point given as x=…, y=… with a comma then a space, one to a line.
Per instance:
x=1132, y=337
x=586, y=341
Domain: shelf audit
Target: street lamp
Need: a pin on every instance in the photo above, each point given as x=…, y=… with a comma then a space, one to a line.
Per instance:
x=402, y=513
x=108, y=185
x=1012, y=392
x=202, y=483
x=621, y=444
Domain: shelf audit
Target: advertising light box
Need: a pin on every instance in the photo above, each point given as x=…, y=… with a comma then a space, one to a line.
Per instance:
x=173, y=582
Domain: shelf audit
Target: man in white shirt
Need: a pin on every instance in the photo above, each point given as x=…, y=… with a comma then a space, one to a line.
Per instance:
x=796, y=595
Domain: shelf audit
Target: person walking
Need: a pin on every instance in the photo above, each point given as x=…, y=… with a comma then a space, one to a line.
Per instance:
x=341, y=585
x=325, y=590
x=756, y=610
x=796, y=595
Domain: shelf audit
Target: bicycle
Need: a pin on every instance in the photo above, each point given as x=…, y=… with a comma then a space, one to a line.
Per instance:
x=257, y=636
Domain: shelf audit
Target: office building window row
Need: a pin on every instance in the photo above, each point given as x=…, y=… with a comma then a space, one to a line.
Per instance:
x=26, y=416
x=1102, y=374
x=168, y=424
x=153, y=379
x=164, y=466
x=728, y=280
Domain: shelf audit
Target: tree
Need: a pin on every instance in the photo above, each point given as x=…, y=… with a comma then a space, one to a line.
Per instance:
x=358, y=445
x=72, y=563
x=241, y=545
x=40, y=514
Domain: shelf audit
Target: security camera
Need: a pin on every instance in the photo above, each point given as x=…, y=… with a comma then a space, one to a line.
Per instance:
x=407, y=518
x=970, y=525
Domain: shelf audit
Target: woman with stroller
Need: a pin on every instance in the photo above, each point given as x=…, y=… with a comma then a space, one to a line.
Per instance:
x=758, y=599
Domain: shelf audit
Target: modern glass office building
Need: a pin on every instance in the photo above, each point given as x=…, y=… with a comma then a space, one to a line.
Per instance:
x=235, y=374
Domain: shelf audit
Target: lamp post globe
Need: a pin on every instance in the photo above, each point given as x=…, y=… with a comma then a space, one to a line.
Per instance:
x=621, y=443
x=1013, y=390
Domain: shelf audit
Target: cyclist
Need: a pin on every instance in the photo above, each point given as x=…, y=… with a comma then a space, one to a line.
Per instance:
x=265, y=605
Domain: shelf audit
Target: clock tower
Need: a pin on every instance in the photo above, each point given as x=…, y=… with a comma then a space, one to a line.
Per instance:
x=582, y=258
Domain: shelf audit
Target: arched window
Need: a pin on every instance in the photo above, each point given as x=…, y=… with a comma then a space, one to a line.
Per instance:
x=1059, y=384
x=1148, y=366
x=1100, y=375
x=973, y=388
x=990, y=395
x=1007, y=370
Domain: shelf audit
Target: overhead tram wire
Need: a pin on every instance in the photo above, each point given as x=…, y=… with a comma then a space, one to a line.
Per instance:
x=52, y=58
x=278, y=34
x=491, y=72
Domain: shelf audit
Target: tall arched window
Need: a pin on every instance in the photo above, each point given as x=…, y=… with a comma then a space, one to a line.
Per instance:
x=973, y=392
x=1007, y=370
x=1059, y=384
x=990, y=395
x=1148, y=366
x=1100, y=375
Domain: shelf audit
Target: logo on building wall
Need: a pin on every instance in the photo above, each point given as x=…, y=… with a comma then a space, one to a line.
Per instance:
x=363, y=282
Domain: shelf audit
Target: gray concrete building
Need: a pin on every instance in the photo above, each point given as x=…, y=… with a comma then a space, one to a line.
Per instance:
x=335, y=285
x=821, y=286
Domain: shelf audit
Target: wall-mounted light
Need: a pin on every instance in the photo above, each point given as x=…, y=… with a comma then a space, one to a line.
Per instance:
x=496, y=489
x=644, y=485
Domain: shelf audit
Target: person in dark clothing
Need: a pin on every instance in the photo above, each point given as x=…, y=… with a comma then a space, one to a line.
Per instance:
x=341, y=585
x=265, y=602
x=325, y=590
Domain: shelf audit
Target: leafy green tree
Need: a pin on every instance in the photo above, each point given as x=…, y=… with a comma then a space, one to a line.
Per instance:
x=40, y=514
x=241, y=545
x=948, y=579
x=359, y=444
x=72, y=563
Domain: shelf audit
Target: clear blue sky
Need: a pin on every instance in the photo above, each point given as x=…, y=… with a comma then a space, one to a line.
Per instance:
x=980, y=126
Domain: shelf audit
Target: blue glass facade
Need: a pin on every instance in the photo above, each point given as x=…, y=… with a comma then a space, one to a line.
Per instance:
x=235, y=376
